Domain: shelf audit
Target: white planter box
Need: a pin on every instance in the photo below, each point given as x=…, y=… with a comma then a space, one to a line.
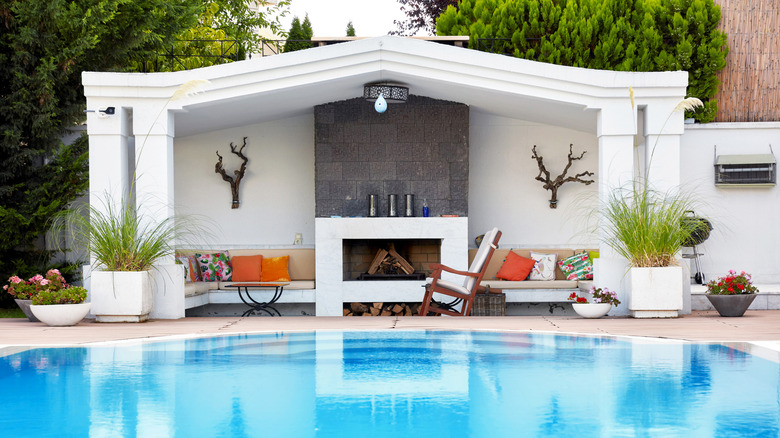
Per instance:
x=121, y=296
x=656, y=292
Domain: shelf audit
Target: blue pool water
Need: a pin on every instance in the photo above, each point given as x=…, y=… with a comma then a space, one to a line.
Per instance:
x=390, y=384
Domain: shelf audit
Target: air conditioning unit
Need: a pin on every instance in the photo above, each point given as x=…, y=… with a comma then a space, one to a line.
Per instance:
x=747, y=170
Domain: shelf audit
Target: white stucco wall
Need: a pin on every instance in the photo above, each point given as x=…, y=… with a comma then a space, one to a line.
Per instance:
x=503, y=192
x=745, y=219
x=276, y=193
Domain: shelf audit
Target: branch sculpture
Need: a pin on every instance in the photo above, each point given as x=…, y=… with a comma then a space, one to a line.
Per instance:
x=553, y=184
x=234, y=180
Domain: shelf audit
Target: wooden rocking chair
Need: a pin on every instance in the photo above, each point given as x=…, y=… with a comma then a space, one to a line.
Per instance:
x=462, y=293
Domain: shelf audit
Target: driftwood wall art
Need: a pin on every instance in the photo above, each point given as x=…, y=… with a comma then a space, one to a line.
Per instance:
x=554, y=184
x=234, y=180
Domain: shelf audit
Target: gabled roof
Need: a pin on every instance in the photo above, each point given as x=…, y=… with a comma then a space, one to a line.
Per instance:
x=288, y=84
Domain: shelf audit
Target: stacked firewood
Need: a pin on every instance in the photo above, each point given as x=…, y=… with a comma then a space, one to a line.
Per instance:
x=381, y=309
x=389, y=262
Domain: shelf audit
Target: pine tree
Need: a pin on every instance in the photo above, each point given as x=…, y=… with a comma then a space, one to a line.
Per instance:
x=625, y=35
x=298, y=35
x=350, y=29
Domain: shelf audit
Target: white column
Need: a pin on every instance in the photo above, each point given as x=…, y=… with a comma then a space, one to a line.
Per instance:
x=663, y=128
x=109, y=180
x=616, y=129
x=154, y=197
x=154, y=191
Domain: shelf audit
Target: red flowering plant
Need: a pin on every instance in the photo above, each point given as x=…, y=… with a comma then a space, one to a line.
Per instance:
x=732, y=284
x=26, y=289
x=598, y=295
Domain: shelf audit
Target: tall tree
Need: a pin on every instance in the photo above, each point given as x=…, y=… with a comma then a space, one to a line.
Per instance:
x=226, y=31
x=626, y=35
x=421, y=15
x=299, y=35
x=350, y=29
x=44, y=47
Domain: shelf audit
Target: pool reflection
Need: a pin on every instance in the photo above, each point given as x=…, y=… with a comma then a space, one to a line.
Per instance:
x=395, y=383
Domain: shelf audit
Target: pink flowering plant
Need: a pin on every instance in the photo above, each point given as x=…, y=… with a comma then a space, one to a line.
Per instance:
x=598, y=295
x=732, y=284
x=26, y=289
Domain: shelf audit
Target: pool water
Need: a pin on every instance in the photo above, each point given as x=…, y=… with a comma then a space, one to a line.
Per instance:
x=390, y=384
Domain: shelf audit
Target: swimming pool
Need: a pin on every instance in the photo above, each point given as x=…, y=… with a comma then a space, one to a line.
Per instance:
x=390, y=383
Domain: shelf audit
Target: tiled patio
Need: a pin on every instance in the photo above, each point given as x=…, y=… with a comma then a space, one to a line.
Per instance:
x=760, y=327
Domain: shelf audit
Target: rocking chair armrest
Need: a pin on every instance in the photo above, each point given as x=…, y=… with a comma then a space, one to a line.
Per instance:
x=438, y=267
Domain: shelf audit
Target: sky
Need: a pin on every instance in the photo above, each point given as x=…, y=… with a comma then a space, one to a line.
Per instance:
x=329, y=18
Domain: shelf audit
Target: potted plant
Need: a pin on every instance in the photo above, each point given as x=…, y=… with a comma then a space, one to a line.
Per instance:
x=648, y=228
x=52, y=289
x=600, y=303
x=24, y=290
x=60, y=306
x=125, y=246
x=732, y=295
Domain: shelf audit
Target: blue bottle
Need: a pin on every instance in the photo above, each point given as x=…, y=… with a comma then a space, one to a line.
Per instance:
x=425, y=208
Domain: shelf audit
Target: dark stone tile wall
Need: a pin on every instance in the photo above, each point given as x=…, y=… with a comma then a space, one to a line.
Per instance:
x=419, y=147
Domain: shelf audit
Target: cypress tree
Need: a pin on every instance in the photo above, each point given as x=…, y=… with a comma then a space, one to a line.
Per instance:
x=625, y=35
x=350, y=29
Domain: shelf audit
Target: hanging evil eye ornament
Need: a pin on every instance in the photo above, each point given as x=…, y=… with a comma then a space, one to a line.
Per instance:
x=381, y=104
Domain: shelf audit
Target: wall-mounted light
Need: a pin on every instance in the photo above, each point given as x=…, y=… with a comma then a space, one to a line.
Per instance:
x=385, y=93
x=103, y=112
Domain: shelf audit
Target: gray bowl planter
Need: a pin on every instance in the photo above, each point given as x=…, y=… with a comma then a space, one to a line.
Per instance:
x=731, y=305
x=25, y=306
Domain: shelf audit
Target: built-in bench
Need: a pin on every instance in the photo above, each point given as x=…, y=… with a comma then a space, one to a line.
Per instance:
x=532, y=291
x=300, y=290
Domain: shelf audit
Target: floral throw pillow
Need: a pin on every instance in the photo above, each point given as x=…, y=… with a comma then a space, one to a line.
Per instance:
x=577, y=267
x=544, y=268
x=215, y=267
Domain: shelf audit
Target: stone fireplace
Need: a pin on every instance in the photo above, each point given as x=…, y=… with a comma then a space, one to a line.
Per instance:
x=419, y=147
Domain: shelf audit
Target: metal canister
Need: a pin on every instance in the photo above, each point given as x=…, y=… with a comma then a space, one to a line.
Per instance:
x=373, y=205
x=409, y=210
x=392, y=205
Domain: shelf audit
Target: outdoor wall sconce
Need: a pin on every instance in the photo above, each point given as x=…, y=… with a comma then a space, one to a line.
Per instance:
x=554, y=184
x=103, y=112
x=385, y=93
x=234, y=180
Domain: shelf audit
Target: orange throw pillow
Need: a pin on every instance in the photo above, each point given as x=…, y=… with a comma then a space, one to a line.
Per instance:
x=275, y=269
x=247, y=268
x=515, y=267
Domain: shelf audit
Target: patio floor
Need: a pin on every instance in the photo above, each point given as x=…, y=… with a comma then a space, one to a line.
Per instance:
x=759, y=327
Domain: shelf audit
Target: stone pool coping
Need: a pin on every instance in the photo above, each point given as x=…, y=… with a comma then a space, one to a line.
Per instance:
x=759, y=328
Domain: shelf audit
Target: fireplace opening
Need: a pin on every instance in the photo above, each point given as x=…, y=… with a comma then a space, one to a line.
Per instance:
x=389, y=259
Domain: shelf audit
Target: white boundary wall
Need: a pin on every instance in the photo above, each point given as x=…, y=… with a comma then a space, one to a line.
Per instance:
x=745, y=219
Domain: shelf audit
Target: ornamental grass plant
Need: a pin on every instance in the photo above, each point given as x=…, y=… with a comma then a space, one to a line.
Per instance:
x=647, y=227
x=121, y=240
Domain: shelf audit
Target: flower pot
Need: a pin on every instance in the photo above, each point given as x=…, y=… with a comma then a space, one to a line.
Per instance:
x=591, y=310
x=121, y=296
x=731, y=305
x=656, y=292
x=60, y=315
x=25, y=306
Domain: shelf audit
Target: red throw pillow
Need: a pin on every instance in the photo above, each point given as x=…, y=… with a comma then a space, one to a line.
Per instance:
x=247, y=268
x=515, y=267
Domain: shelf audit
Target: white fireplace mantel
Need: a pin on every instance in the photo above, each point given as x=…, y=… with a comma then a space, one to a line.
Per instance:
x=332, y=291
